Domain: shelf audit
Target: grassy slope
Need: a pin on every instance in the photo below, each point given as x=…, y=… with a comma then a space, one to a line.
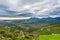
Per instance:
x=54, y=29
x=49, y=37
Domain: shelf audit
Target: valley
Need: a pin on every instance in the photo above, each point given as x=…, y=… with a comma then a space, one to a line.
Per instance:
x=27, y=29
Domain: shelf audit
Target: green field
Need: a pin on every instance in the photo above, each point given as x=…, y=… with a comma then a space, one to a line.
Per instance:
x=49, y=37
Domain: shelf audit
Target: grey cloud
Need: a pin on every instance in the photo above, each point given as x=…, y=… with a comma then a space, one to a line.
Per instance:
x=41, y=8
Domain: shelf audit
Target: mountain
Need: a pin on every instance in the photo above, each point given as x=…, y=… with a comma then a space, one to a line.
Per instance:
x=58, y=18
x=33, y=20
x=50, y=19
x=46, y=19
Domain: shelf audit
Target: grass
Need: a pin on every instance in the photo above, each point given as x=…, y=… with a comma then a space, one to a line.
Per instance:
x=49, y=37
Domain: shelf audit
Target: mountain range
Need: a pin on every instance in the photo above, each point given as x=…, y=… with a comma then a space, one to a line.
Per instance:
x=33, y=20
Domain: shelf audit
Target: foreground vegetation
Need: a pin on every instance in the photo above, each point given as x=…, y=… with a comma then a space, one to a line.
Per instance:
x=49, y=37
x=30, y=31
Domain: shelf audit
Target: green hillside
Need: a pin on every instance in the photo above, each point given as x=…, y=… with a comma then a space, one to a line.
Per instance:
x=30, y=31
x=49, y=37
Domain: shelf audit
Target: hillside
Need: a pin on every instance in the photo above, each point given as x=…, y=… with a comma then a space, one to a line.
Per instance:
x=29, y=31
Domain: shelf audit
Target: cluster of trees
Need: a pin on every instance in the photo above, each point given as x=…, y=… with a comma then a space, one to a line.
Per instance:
x=7, y=33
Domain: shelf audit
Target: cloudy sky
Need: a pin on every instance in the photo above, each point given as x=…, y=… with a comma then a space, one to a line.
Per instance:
x=30, y=8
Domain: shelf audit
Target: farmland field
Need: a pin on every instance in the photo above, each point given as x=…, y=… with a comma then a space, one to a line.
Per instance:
x=49, y=37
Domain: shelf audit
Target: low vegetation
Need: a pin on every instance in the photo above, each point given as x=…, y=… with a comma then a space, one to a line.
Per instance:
x=30, y=31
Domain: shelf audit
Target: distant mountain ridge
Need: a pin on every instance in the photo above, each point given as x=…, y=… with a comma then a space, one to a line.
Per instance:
x=33, y=20
x=49, y=18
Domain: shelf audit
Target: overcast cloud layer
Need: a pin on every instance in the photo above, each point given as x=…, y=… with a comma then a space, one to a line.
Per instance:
x=31, y=8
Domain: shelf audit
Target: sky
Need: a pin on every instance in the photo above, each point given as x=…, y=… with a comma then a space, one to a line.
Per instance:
x=30, y=8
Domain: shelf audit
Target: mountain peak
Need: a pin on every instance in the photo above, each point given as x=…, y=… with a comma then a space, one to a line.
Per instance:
x=34, y=18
